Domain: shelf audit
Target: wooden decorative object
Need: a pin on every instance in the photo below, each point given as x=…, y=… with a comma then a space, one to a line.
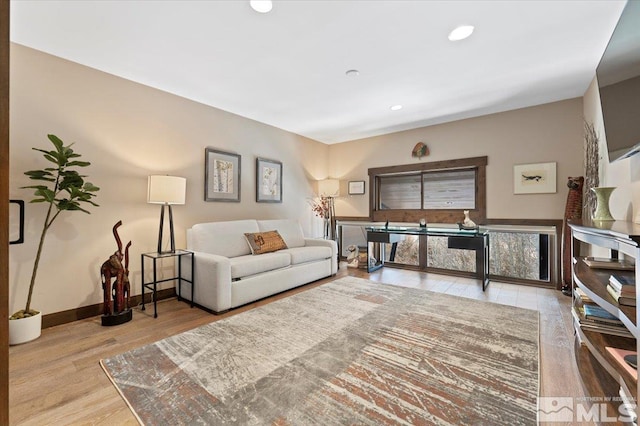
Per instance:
x=420, y=150
x=573, y=210
x=116, y=311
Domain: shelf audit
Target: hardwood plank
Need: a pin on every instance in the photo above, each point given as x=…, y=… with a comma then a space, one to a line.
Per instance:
x=527, y=298
x=64, y=317
x=67, y=386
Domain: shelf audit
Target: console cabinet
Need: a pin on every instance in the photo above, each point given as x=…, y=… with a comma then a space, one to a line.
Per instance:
x=604, y=377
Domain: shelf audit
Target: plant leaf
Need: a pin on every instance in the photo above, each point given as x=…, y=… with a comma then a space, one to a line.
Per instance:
x=57, y=142
x=45, y=193
x=78, y=163
x=38, y=174
x=89, y=187
x=52, y=156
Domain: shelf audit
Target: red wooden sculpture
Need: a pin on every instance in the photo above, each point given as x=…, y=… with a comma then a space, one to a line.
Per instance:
x=116, y=294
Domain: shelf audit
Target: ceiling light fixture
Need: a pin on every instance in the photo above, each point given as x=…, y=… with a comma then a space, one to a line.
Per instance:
x=262, y=6
x=395, y=107
x=461, y=32
x=352, y=73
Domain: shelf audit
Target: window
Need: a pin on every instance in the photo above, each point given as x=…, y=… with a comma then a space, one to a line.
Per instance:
x=449, y=190
x=437, y=192
x=429, y=190
x=400, y=192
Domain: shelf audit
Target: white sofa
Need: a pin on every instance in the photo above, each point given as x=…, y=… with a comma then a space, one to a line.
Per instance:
x=227, y=275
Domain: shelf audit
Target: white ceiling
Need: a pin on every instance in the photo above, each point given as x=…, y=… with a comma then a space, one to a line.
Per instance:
x=287, y=68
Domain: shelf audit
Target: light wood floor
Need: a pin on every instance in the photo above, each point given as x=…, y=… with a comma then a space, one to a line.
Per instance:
x=57, y=379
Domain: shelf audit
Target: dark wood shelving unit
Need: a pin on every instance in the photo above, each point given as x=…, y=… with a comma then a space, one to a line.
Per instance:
x=594, y=283
x=602, y=376
x=599, y=341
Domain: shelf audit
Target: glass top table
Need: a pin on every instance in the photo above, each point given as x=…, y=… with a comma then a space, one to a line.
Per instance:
x=476, y=239
x=433, y=230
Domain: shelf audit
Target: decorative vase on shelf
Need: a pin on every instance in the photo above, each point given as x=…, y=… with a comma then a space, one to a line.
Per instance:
x=603, y=194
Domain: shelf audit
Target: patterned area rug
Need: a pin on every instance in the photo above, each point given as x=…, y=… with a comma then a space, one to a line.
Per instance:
x=348, y=352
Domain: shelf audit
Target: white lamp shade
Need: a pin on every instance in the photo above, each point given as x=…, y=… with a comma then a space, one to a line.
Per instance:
x=329, y=187
x=163, y=189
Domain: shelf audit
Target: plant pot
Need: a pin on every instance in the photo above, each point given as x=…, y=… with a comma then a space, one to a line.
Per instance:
x=24, y=330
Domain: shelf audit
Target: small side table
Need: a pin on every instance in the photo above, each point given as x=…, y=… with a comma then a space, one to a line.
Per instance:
x=155, y=256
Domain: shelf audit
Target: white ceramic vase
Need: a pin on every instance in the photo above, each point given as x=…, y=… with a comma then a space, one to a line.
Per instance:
x=25, y=329
x=603, y=193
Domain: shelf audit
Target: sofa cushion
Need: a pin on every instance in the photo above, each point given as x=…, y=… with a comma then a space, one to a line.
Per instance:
x=289, y=229
x=308, y=254
x=265, y=242
x=222, y=238
x=244, y=266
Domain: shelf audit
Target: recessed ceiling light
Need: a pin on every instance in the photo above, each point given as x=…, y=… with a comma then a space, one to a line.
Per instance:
x=262, y=6
x=352, y=73
x=461, y=32
x=396, y=107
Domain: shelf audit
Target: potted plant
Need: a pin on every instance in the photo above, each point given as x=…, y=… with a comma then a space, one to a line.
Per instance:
x=62, y=188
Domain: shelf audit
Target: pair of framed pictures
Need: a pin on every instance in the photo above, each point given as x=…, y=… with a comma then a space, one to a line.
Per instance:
x=222, y=178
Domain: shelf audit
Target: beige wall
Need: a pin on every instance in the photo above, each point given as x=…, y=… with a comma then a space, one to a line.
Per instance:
x=540, y=134
x=623, y=174
x=129, y=131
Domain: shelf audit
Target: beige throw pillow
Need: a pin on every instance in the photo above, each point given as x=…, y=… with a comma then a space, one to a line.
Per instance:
x=265, y=242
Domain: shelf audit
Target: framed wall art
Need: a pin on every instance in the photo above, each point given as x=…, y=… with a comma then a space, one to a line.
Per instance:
x=356, y=187
x=539, y=178
x=268, y=181
x=221, y=176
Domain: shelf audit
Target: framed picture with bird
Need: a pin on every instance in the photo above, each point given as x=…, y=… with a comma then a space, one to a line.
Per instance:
x=537, y=178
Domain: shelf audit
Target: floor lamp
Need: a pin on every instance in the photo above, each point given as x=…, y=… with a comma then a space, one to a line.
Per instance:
x=329, y=189
x=166, y=190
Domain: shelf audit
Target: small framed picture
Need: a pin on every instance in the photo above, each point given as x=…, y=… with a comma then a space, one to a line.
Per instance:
x=221, y=176
x=539, y=178
x=268, y=181
x=356, y=187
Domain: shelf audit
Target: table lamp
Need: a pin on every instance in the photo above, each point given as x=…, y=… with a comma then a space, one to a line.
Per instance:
x=166, y=190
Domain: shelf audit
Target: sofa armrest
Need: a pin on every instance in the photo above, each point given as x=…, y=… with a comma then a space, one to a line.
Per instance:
x=212, y=280
x=326, y=243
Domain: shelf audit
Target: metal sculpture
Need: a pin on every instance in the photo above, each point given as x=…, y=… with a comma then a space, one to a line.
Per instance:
x=116, y=294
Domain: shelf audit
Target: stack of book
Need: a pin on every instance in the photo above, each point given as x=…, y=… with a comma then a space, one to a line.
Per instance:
x=581, y=295
x=623, y=289
x=595, y=318
x=607, y=263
